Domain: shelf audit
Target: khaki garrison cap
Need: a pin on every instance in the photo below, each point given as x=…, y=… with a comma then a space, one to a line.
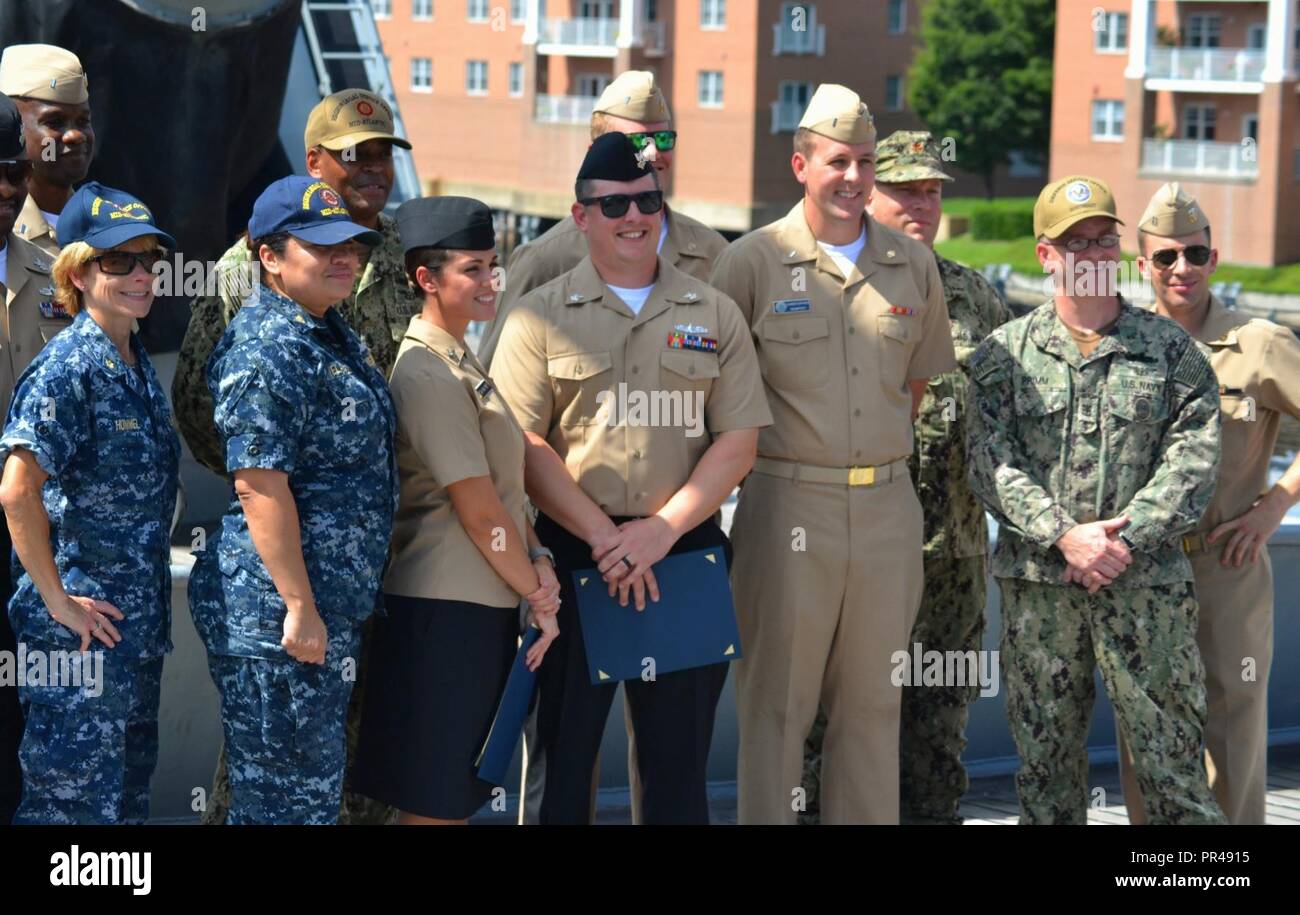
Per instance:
x=837, y=112
x=1069, y=200
x=1173, y=212
x=45, y=72
x=635, y=96
x=349, y=118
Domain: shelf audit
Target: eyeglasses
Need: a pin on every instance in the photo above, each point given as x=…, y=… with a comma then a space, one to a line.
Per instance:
x=664, y=140
x=122, y=263
x=16, y=171
x=1196, y=255
x=615, y=205
x=1077, y=245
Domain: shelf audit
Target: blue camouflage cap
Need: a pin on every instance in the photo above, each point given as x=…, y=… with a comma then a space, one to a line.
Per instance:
x=309, y=210
x=104, y=217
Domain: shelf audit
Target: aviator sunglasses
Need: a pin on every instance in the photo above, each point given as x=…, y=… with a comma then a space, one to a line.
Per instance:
x=615, y=205
x=1197, y=256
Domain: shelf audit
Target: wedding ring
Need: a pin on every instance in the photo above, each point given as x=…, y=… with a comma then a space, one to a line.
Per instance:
x=627, y=562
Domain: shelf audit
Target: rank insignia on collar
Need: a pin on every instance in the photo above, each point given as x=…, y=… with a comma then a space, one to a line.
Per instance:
x=337, y=368
x=53, y=310
x=575, y=297
x=678, y=340
x=691, y=296
x=905, y=310
x=41, y=264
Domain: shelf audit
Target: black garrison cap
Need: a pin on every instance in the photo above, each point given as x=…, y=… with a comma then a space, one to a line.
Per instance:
x=612, y=157
x=459, y=223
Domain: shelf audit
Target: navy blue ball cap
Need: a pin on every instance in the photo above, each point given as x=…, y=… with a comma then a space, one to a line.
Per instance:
x=104, y=217
x=309, y=210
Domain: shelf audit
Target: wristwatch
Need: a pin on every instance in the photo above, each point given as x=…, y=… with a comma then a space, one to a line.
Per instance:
x=538, y=552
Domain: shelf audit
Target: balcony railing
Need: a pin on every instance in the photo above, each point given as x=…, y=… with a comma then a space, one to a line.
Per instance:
x=1203, y=158
x=589, y=33
x=1229, y=65
x=564, y=109
x=788, y=40
x=785, y=116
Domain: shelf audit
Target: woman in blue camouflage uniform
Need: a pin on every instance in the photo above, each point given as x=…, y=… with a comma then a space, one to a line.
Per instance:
x=280, y=593
x=89, y=488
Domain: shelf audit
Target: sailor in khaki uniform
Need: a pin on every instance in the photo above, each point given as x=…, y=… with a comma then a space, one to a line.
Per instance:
x=1257, y=364
x=632, y=104
x=621, y=489
x=463, y=553
x=50, y=87
x=849, y=322
x=31, y=318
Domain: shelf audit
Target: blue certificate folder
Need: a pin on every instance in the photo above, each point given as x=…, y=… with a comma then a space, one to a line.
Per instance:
x=692, y=624
x=503, y=737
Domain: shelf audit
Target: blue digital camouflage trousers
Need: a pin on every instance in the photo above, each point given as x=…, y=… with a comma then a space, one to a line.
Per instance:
x=284, y=724
x=89, y=750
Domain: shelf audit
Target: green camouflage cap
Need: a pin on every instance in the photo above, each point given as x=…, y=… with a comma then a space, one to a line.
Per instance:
x=909, y=155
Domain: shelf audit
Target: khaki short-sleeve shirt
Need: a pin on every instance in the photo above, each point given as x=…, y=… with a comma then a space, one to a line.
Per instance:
x=837, y=352
x=630, y=402
x=451, y=425
x=1257, y=364
x=32, y=316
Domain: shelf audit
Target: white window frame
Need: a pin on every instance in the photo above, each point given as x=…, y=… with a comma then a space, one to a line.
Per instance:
x=1199, y=118
x=603, y=9
x=899, y=82
x=1260, y=29
x=477, y=10
x=1198, y=25
x=812, y=40
x=522, y=7
x=713, y=15
x=515, y=79
x=382, y=9
x=470, y=68
x=1106, y=41
x=1114, y=130
x=417, y=15
x=704, y=82
x=417, y=84
x=901, y=6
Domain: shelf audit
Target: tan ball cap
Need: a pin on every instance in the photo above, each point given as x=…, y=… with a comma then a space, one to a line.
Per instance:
x=1173, y=212
x=1069, y=200
x=635, y=96
x=349, y=118
x=839, y=113
x=45, y=72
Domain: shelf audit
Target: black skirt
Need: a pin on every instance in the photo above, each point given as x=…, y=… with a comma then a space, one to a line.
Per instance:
x=436, y=672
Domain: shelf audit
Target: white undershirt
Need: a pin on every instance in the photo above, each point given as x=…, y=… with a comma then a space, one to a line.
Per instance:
x=635, y=298
x=663, y=235
x=846, y=256
x=52, y=219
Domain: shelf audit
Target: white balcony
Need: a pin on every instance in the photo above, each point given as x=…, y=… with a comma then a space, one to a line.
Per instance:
x=564, y=109
x=785, y=116
x=1237, y=70
x=788, y=40
x=1199, y=159
x=591, y=37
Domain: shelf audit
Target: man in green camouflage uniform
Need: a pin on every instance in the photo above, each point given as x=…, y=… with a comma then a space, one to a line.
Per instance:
x=1094, y=440
x=349, y=140
x=908, y=197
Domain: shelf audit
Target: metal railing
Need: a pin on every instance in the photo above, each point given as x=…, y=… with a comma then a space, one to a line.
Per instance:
x=787, y=40
x=563, y=109
x=1200, y=157
x=601, y=33
x=1220, y=64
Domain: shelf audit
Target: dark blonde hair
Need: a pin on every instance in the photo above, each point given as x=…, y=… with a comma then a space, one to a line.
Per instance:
x=72, y=261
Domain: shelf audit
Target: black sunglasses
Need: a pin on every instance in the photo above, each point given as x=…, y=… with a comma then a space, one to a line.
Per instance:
x=615, y=205
x=664, y=140
x=122, y=263
x=1197, y=256
x=16, y=171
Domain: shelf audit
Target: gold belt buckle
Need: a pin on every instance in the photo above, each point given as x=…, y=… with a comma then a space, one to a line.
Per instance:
x=1191, y=544
x=862, y=476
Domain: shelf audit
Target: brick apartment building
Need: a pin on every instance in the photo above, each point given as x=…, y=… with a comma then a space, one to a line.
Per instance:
x=1199, y=91
x=497, y=95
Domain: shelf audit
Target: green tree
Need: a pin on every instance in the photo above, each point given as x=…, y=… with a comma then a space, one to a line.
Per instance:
x=983, y=78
